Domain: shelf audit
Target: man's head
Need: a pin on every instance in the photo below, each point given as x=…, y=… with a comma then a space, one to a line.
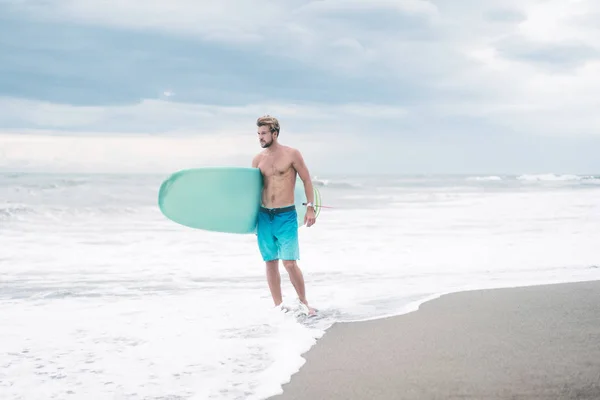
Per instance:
x=268, y=130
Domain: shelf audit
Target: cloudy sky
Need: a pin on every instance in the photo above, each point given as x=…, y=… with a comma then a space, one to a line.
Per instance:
x=405, y=86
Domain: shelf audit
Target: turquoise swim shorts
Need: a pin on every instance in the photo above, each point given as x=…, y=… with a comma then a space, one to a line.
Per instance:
x=277, y=233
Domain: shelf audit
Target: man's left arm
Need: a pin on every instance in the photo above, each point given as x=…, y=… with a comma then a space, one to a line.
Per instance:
x=300, y=167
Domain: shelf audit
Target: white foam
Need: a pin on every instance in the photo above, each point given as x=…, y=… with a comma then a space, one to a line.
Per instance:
x=484, y=178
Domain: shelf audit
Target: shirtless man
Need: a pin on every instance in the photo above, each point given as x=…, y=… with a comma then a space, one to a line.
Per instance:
x=277, y=230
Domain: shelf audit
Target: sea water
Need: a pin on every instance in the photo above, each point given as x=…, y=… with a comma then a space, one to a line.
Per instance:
x=101, y=297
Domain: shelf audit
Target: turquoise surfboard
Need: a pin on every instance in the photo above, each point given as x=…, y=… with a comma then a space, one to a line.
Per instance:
x=220, y=199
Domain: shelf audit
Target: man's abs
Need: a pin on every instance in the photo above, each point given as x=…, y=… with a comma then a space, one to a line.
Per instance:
x=278, y=191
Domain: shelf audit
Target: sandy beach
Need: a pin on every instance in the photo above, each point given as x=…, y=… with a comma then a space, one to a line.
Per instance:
x=540, y=342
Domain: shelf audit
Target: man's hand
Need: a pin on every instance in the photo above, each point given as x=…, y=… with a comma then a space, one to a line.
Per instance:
x=309, y=217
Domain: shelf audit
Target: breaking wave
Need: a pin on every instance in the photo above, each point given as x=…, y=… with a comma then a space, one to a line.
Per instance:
x=557, y=177
x=484, y=178
x=341, y=184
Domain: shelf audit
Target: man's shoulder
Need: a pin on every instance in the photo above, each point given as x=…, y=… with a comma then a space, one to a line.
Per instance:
x=292, y=151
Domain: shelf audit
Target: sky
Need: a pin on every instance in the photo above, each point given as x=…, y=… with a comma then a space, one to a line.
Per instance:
x=378, y=86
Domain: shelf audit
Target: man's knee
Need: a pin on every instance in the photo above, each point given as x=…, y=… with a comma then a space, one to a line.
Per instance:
x=272, y=264
x=289, y=264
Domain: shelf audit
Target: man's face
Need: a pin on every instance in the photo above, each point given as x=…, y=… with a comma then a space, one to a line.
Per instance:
x=265, y=136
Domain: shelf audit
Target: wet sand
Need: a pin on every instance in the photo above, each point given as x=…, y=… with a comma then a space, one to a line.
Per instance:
x=539, y=342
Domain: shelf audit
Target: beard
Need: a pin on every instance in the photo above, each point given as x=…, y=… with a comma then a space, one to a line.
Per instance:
x=264, y=145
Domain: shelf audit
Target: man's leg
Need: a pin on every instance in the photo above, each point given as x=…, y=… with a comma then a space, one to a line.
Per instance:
x=274, y=280
x=268, y=249
x=297, y=279
x=289, y=251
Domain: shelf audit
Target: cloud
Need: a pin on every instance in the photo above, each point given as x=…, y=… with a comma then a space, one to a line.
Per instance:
x=421, y=7
x=160, y=116
x=554, y=56
x=299, y=30
x=556, y=22
x=64, y=61
x=211, y=20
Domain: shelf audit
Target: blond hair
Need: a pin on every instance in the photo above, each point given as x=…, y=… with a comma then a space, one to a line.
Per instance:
x=271, y=122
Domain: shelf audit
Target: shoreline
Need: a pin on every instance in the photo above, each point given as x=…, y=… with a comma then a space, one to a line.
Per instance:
x=529, y=342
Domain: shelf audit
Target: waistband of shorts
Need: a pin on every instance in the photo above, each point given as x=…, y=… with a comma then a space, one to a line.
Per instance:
x=277, y=210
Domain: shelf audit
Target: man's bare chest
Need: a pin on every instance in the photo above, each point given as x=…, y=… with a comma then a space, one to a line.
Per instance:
x=275, y=167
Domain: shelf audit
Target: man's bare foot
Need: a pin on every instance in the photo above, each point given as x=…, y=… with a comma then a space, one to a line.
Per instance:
x=307, y=309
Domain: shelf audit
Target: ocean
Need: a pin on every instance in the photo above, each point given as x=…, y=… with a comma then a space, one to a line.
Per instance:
x=103, y=298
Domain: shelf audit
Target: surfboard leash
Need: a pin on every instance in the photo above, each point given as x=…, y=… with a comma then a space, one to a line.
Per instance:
x=316, y=205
